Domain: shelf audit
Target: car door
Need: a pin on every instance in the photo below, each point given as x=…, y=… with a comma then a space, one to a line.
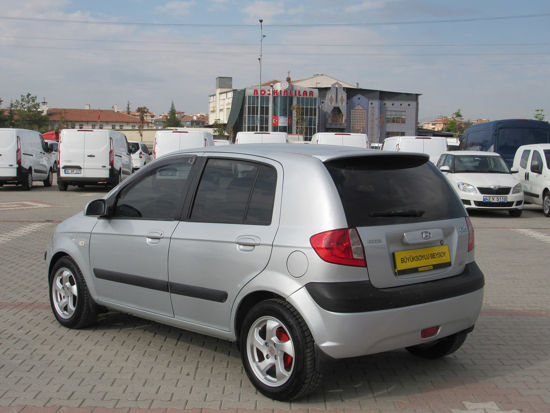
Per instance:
x=536, y=179
x=129, y=250
x=225, y=241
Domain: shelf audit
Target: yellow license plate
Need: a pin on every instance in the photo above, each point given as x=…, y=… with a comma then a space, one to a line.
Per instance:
x=423, y=259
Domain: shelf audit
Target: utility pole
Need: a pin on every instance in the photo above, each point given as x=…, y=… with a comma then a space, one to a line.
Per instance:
x=260, y=60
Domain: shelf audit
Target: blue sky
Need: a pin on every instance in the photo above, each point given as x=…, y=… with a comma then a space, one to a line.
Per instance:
x=490, y=58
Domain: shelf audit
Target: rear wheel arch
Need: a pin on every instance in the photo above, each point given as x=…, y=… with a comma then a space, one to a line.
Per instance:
x=246, y=304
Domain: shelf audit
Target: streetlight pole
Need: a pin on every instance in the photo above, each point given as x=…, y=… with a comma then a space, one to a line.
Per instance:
x=260, y=60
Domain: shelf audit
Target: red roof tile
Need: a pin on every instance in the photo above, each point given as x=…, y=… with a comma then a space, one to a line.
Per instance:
x=90, y=115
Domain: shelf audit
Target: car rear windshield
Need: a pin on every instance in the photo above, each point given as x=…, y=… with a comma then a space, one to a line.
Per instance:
x=387, y=190
x=133, y=147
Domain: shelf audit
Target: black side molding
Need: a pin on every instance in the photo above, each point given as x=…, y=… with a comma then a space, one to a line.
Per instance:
x=362, y=296
x=165, y=286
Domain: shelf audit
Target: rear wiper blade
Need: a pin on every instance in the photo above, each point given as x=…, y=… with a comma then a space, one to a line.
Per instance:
x=398, y=213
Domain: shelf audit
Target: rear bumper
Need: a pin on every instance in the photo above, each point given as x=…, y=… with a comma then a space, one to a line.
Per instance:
x=11, y=175
x=101, y=177
x=393, y=325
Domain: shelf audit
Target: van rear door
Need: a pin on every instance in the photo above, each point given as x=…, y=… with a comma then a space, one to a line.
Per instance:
x=97, y=147
x=71, y=153
x=8, y=149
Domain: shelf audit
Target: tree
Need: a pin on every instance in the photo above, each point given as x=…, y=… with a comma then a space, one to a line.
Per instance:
x=456, y=124
x=28, y=114
x=539, y=114
x=3, y=116
x=173, y=121
x=142, y=110
x=219, y=128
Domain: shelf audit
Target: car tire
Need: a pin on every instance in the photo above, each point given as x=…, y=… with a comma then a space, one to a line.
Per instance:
x=49, y=179
x=62, y=186
x=70, y=299
x=546, y=203
x=27, y=180
x=439, y=348
x=116, y=179
x=274, y=334
x=515, y=212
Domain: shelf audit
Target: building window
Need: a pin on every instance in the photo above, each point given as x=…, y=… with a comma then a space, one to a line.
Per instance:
x=359, y=119
x=113, y=126
x=93, y=125
x=121, y=126
x=396, y=116
x=101, y=126
x=80, y=126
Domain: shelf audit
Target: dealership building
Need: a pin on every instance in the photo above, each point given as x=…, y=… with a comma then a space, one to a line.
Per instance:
x=317, y=104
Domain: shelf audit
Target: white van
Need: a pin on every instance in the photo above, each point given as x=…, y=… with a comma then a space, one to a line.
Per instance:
x=24, y=158
x=91, y=157
x=532, y=163
x=261, y=137
x=359, y=140
x=168, y=141
x=433, y=146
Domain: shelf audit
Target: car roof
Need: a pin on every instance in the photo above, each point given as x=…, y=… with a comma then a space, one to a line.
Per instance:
x=280, y=151
x=536, y=145
x=471, y=153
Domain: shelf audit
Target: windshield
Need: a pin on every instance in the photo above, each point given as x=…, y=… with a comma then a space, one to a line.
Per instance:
x=510, y=139
x=133, y=147
x=480, y=164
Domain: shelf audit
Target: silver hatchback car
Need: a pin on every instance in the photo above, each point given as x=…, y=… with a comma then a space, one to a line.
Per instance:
x=298, y=253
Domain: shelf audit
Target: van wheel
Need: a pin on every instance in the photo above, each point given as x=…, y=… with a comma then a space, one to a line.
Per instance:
x=70, y=299
x=27, y=180
x=277, y=351
x=49, y=179
x=116, y=179
x=62, y=186
x=439, y=348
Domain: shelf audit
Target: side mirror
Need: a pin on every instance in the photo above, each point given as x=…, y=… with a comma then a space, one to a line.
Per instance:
x=514, y=171
x=96, y=207
x=445, y=168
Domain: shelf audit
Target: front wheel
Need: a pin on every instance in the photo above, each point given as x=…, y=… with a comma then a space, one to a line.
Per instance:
x=277, y=351
x=546, y=203
x=439, y=348
x=70, y=299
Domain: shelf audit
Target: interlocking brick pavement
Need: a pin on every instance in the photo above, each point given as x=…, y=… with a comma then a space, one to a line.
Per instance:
x=127, y=365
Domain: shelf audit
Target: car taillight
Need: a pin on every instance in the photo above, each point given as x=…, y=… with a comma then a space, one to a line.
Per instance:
x=470, y=234
x=140, y=155
x=18, y=152
x=111, y=153
x=155, y=149
x=341, y=246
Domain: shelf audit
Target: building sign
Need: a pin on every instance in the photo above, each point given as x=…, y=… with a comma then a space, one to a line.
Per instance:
x=269, y=92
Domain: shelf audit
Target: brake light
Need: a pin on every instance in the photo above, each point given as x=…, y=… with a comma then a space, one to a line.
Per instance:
x=470, y=234
x=341, y=246
x=18, y=152
x=140, y=155
x=111, y=153
x=155, y=149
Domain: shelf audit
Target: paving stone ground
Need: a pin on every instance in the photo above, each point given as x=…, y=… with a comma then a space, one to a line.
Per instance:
x=127, y=365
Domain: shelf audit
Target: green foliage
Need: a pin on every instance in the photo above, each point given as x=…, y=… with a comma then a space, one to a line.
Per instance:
x=456, y=124
x=173, y=121
x=27, y=114
x=3, y=116
x=539, y=114
x=219, y=129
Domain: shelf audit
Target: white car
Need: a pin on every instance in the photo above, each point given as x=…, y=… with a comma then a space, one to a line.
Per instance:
x=140, y=154
x=533, y=165
x=482, y=181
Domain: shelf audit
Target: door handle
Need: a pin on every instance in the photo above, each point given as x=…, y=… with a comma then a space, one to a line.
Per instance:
x=526, y=176
x=91, y=156
x=247, y=242
x=155, y=235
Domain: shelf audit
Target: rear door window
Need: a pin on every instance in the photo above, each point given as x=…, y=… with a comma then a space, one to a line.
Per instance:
x=386, y=190
x=524, y=158
x=235, y=192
